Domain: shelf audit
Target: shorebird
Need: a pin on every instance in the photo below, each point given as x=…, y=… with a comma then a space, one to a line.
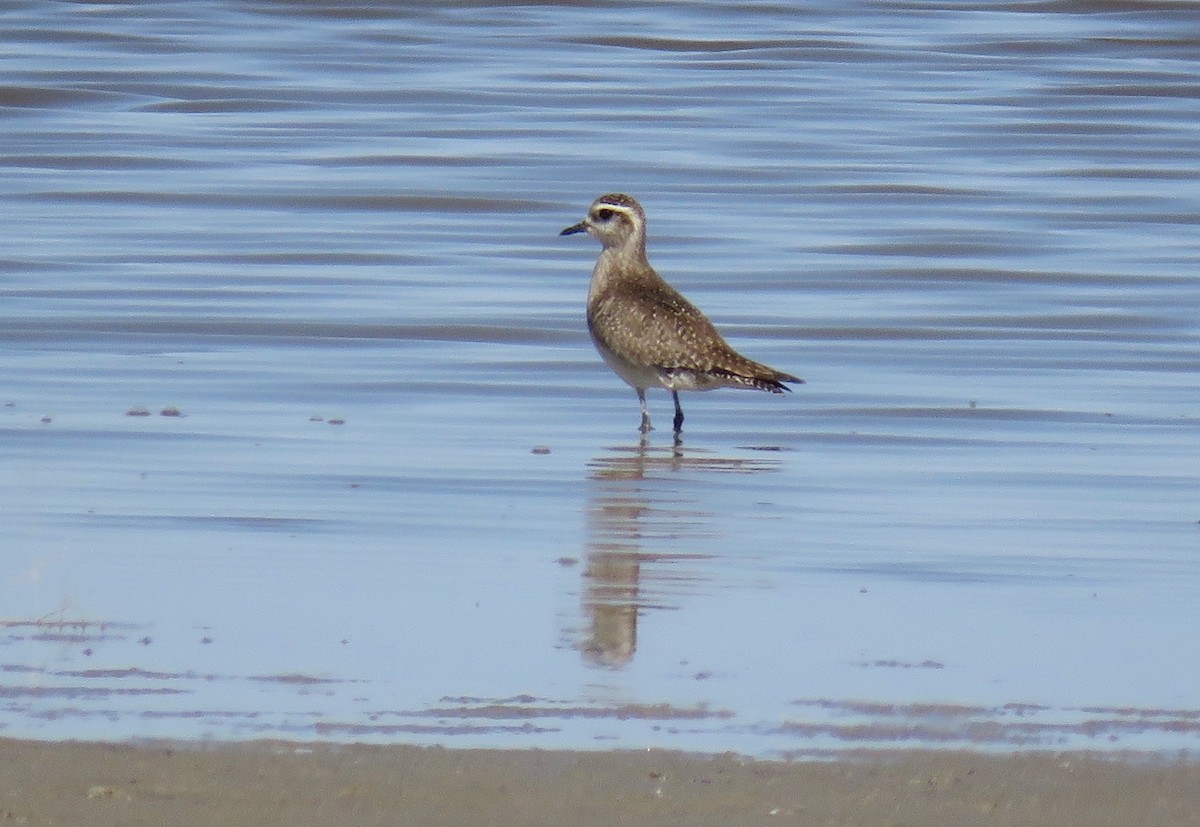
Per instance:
x=647, y=332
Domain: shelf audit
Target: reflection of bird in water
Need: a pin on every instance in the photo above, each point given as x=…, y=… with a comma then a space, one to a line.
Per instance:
x=612, y=600
x=613, y=573
x=635, y=522
x=645, y=329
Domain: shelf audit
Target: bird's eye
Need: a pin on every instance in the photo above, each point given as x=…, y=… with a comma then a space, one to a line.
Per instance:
x=604, y=215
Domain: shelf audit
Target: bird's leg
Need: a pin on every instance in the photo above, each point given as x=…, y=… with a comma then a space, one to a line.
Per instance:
x=678, y=412
x=646, y=426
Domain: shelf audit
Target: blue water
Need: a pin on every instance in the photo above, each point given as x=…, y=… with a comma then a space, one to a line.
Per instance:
x=404, y=500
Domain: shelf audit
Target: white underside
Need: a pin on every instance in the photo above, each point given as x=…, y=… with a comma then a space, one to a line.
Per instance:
x=642, y=376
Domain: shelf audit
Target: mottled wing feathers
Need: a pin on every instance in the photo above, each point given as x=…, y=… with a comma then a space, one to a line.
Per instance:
x=648, y=322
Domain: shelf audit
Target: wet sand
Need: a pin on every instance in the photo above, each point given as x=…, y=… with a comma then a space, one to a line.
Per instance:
x=267, y=782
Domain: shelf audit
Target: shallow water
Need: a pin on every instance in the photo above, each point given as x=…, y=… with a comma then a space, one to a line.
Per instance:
x=403, y=499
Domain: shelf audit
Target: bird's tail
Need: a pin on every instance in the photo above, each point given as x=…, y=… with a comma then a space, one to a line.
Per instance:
x=763, y=378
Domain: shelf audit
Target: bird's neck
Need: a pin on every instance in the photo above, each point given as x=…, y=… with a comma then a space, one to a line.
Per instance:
x=620, y=263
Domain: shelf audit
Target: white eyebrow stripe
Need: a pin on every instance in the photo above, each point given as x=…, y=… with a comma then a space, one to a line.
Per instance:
x=604, y=205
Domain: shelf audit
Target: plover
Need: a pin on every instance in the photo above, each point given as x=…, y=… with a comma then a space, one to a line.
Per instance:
x=645, y=329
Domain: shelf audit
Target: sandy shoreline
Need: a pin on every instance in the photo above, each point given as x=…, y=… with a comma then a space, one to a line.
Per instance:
x=275, y=783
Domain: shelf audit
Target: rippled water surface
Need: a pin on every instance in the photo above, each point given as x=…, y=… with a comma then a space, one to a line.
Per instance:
x=302, y=434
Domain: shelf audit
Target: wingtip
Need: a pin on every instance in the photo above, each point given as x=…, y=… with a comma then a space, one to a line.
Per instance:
x=776, y=384
x=789, y=380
